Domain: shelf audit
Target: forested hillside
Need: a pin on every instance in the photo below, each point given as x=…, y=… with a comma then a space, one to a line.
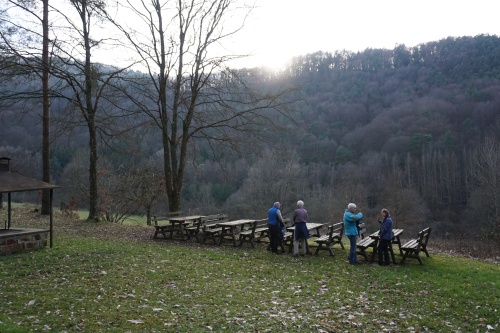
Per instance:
x=415, y=130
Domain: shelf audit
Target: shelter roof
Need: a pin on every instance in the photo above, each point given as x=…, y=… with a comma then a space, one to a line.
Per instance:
x=14, y=182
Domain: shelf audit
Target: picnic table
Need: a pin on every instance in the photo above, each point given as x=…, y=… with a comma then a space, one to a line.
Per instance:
x=232, y=228
x=313, y=229
x=395, y=240
x=179, y=224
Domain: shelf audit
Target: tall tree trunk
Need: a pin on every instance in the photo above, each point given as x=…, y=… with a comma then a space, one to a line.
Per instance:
x=174, y=199
x=93, y=193
x=90, y=112
x=46, y=109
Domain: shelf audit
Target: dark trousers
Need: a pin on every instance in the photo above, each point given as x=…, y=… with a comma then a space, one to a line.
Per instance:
x=383, y=252
x=274, y=234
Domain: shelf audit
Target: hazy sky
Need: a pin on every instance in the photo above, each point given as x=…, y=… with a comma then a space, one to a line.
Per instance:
x=281, y=29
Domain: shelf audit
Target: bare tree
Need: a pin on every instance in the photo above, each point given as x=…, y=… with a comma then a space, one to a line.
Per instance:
x=139, y=188
x=89, y=87
x=405, y=204
x=189, y=93
x=40, y=66
x=46, y=209
x=275, y=176
x=485, y=196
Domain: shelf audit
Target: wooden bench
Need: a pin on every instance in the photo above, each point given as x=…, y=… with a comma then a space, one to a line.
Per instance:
x=162, y=229
x=194, y=229
x=334, y=236
x=287, y=239
x=253, y=232
x=261, y=230
x=365, y=243
x=412, y=248
x=208, y=228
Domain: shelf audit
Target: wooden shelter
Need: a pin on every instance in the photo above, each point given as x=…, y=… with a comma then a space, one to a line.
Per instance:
x=11, y=182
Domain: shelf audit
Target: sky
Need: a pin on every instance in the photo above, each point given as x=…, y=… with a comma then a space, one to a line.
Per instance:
x=278, y=30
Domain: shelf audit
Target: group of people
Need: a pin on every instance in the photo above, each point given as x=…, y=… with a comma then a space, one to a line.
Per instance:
x=352, y=219
x=277, y=228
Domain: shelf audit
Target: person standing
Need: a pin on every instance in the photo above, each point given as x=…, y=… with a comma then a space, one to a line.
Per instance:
x=351, y=230
x=274, y=223
x=301, y=234
x=385, y=236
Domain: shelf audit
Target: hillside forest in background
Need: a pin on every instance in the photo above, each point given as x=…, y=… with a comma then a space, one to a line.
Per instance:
x=414, y=129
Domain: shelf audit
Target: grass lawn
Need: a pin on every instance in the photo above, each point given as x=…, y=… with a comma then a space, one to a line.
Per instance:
x=100, y=278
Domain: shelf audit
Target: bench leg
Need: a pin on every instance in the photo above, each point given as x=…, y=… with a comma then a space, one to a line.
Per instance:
x=159, y=231
x=374, y=253
x=404, y=253
x=363, y=253
x=424, y=248
x=244, y=239
x=308, y=251
x=392, y=253
x=280, y=244
x=419, y=260
x=325, y=247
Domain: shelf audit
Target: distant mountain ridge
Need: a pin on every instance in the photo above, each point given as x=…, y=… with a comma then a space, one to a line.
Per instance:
x=447, y=92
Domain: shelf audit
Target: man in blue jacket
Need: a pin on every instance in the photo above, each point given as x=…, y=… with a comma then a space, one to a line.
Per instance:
x=274, y=223
x=351, y=230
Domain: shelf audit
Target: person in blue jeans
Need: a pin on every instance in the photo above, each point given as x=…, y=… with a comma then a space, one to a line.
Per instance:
x=351, y=220
x=385, y=238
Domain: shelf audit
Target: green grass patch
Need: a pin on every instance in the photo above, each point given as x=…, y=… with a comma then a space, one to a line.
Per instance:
x=81, y=213
x=103, y=286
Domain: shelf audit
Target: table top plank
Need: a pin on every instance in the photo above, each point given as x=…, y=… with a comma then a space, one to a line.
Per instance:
x=310, y=226
x=185, y=218
x=234, y=223
x=395, y=233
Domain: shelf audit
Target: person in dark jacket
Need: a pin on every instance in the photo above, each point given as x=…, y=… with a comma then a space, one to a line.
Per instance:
x=301, y=234
x=274, y=222
x=385, y=236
